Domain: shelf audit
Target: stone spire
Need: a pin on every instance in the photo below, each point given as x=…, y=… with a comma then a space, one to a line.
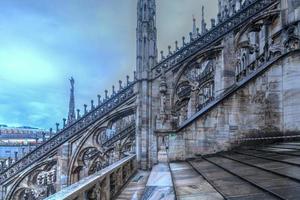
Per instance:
x=146, y=35
x=146, y=58
x=194, y=33
x=71, y=115
x=203, y=24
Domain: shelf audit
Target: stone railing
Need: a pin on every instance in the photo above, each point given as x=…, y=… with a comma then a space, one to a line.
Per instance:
x=260, y=68
x=69, y=131
x=242, y=73
x=214, y=35
x=104, y=184
x=130, y=129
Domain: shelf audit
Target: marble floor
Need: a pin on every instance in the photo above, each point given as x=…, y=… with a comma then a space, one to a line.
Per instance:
x=135, y=188
x=189, y=185
x=160, y=185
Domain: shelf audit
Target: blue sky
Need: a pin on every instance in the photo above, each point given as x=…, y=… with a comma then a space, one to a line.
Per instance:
x=44, y=42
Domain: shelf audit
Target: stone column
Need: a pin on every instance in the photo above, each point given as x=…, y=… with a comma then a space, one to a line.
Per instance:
x=225, y=65
x=290, y=11
x=62, y=167
x=105, y=189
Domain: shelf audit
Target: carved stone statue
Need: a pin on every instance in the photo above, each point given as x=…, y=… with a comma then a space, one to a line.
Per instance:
x=72, y=82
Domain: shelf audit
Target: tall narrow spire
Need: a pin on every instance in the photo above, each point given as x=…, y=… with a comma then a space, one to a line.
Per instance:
x=71, y=115
x=195, y=33
x=146, y=59
x=146, y=35
x=203, y=24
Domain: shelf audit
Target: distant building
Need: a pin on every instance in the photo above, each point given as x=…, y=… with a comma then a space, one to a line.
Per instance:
x=16, y=141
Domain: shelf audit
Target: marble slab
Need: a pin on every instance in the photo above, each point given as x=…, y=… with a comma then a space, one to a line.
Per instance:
x=158, y=193
x=189, y=185
x=159, y=185
x=135, y=188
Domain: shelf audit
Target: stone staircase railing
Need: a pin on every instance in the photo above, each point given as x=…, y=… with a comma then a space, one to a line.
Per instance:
x=260, y=68
x=252, y=8
x=104, y=184
x=68, y=132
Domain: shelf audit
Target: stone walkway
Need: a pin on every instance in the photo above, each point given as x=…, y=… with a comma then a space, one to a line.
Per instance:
x=159, y=185
x=135, y=188
x=250, y=173
x=190, y=185
x=257, y=172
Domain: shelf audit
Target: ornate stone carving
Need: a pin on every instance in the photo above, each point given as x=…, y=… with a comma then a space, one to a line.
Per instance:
x=275, y=49
x=292, y=40
x=213, y=35
x=38, y=184
x=69, y=131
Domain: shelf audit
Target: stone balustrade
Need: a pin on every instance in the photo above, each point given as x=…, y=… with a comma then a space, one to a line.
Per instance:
x=104, y=184
x=228, y=24
x=68, y=132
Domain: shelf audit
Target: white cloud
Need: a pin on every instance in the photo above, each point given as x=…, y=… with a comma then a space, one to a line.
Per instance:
x=43, y=43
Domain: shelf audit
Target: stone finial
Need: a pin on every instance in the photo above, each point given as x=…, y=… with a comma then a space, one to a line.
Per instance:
x=57, y=127
x=64, y=122
x=183, y=41
x=113, y=90
x=9, y=161
x=213, y=23
x=99, y=99
x=233, y=7
x=23, y=151
x=71, y=114
x=50, y=132
x=176, y=45
x=219, y=17
x=191, y=36
x=198, y=31
x=106, y=94
x=16, y=155
x=92, y=105
x=120, y=85
x=134, y=75
x=44, y=136
x=2, y=164
x=127, y=78
x=36, y=139
x=78, y=113
x=226, y=12
x=85, y=109
x=162, y=55
x=203, y=24
x=194, y=32
x=169, y=48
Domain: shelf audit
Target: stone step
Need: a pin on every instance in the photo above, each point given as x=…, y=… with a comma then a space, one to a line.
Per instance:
x=135, y=187
x=190, y=185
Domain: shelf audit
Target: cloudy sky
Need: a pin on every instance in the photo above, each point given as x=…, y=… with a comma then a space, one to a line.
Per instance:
x=44, y=42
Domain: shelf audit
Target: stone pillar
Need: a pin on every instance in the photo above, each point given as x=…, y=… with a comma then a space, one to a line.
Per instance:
x=146, y=58
x=120, y=180
x=62, y=167
x=105, y=188
x=291, y=94
x=290, y=11
x=143, y=123
x=225, y=69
